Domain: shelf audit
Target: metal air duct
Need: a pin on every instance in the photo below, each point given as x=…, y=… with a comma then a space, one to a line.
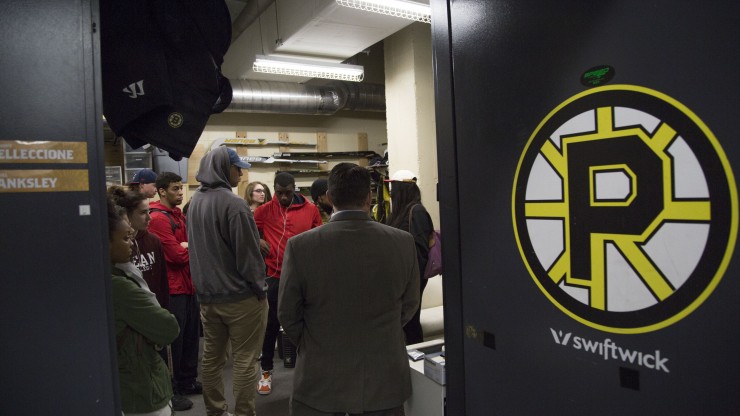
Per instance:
x=274, y=97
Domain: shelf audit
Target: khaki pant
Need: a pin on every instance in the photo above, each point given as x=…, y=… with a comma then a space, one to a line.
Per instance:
x=243, y=325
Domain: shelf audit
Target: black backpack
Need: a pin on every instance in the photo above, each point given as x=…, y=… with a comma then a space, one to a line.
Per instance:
x=173, y=224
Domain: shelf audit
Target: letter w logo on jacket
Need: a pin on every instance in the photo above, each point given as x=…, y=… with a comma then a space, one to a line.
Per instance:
x=132, y=91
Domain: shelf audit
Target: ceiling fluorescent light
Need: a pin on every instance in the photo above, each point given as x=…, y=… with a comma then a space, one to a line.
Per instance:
x=307, y=68
x=398, y=8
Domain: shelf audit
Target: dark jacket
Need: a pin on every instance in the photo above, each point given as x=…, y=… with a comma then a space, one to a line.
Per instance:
x=224, y=247
x=345, y=311
x=418, y=222
x=148, y=256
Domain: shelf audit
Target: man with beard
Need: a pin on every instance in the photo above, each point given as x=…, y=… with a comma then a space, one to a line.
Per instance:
x=318, y=194
x=288, y=214
x=144, y=181
x=345, y=310
x=229, y=276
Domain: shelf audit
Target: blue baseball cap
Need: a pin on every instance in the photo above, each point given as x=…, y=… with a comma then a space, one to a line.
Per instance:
x=236, y=160
x=144, y=176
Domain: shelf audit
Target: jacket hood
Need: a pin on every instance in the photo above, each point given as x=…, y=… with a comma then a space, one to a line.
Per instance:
x=214, y=169
x=298, y=200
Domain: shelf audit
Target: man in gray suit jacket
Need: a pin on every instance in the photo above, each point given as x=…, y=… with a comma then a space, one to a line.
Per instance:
x=346, y=291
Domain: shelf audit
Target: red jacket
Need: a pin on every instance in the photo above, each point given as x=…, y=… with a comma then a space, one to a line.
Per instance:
x=277, y=224
x=176, y=256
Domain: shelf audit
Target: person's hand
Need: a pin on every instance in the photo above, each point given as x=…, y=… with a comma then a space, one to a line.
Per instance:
x=264, y=248
x=184, y=245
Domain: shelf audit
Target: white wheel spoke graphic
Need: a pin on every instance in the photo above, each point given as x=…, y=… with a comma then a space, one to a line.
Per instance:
x=616, y=210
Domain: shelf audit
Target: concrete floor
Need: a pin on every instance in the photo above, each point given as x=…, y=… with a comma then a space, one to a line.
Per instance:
x=274, y=404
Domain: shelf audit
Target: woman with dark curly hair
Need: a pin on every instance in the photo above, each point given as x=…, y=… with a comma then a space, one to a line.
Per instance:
x=147, y=255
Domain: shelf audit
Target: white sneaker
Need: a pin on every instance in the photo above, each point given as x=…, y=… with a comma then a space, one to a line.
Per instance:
x=265, y=384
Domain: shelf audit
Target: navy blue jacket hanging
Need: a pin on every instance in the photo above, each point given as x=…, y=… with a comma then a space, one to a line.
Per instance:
x=161, y=68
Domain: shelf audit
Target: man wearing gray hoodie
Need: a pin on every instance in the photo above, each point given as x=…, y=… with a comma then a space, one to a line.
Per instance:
x=229, y=277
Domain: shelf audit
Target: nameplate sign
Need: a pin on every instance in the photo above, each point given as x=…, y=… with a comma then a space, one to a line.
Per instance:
x=52, y=180
x=16, y=151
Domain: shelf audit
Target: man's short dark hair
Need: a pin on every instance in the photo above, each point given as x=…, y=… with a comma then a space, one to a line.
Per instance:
x=164, y=180
x=318, y=188
x=284, y=179
x=349, y=185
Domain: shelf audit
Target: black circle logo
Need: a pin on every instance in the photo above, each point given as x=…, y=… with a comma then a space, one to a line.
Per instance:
x=175, y=120
x=625, y=209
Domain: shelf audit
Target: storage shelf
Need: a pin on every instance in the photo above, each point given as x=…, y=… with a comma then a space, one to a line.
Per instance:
x=134, y=160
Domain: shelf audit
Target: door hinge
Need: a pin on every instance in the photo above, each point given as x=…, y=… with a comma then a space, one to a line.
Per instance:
x=477, y=334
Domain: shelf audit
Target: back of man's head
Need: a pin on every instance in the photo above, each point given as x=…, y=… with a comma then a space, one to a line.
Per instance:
x=284, y=179
x=349, y=186
x=318, y=188
x=164, y=180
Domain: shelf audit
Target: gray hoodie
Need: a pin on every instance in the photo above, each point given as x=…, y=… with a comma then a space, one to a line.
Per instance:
x=225, y=259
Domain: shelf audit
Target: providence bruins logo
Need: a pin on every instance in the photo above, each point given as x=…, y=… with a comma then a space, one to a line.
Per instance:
x=625, y=209
x=175, y=120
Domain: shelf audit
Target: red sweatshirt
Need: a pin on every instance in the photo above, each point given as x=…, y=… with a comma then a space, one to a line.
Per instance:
x=177, y=257
x=277, y=224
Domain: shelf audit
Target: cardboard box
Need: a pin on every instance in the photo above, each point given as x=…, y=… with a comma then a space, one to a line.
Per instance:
x=434, y=367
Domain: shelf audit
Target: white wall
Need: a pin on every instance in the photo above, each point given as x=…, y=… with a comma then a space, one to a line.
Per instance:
x=341, y=131
x=409, y=89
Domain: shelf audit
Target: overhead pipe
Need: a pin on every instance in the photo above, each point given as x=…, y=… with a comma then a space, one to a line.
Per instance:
x=250, y=96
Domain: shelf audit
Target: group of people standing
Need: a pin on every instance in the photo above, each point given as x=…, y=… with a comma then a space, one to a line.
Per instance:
x=347, y=293
x=159, y=264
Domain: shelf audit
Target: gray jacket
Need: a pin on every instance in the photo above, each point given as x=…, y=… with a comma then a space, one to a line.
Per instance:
x=347, y=288
x=225, y=259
